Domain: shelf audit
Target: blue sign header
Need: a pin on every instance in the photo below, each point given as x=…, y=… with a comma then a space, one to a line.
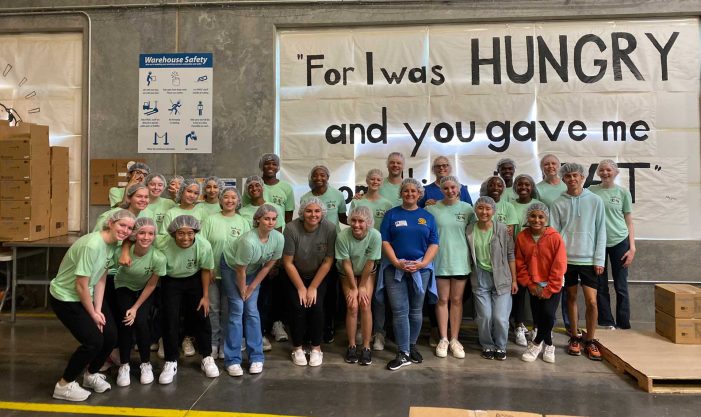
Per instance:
x=187, y=60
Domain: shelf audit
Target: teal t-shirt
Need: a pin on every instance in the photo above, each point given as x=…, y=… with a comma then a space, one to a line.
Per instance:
x=377, y=207
x=177, y=211
x=483, y=250
x=505, y=213
x=253, y=253
x=509, y=195
x=358, y=251
x=116, y=195
x=391, y=192
x=249, y=210
x=549, y=193
x=88, y=257
x=182, y=263
x=136, y=276
x=452, y=220
x=159, y=208
x=222, y=232
x=335, y=204
x=617, y=202
x=520, y=210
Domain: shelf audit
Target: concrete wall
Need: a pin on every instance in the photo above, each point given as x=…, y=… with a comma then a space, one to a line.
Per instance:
x=241, y=35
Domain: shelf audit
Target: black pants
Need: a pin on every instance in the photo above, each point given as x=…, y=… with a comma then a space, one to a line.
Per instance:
x=125, y=300
x=307, y=321
x=518, y=306
x=544, y=317
x=331, y=301
x=95, y=345
x=181, y=296
x=272, y=300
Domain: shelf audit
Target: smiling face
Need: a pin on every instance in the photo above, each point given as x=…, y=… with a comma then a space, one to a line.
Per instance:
x=190, y=194
x=312, y=215
x=211, y=190
x=484, y=212
x=549, y=166
x=607, y=173
x=255, y=190
x=495, y=188
x=374, y=182
x=524, y=188
x=410, y=195
x=506, y=172
x=537, y=220
x=121, y=229
x=395, y=166
x=173, y=186
x=574, y=182
x=139, y=200
x=270, y=169
x=268, y=221
x=155, y=187
x=359, y=227
x=451, y=191
x=441, y=168
x=319, y=179
x=145, y=236
x=184, y=237
x=229, y=201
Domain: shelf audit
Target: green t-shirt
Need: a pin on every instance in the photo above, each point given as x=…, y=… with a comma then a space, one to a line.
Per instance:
x=88, y=257
x=391, y=192
x=253, y=253
x=358, y=251
x=452, y=221
x=549, y=193
x=509, y=195
x=249, y=210
x=280, y=194
x=617, y=202
x=102, y=218
x=159, y=208
x=335, y=204
x=116, y=195
x=183, y=263
x=177, y=211
x=205, y=209
x=483, y=250
x=222, y=232
x=136, y=276
x=505, y=213
x=377, y=207
x=520, y=210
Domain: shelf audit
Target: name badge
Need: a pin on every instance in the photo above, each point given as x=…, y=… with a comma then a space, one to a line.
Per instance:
x=400, y=223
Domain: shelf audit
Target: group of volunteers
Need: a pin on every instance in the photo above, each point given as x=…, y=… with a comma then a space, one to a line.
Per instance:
x=222, y=272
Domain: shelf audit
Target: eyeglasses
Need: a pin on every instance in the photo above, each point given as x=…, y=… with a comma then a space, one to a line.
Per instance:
x=441, y=166
x=144, y=173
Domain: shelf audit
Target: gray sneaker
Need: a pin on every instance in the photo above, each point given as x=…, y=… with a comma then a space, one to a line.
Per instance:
x=379, y=342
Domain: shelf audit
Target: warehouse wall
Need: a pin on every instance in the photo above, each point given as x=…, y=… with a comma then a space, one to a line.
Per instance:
x=241, y=36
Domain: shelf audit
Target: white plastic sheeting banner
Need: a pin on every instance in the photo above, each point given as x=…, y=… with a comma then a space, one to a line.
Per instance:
x=585, y=91
x=42, y=79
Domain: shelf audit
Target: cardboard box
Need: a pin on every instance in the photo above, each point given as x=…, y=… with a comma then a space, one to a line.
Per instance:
x=24, y=230
x=678, y=300
x=25, y=191
x=58, y=226
x=22, y=210
x=682, y=331
x=26, y=141
x=59, y=173
x=36, y=170
x=105, y=174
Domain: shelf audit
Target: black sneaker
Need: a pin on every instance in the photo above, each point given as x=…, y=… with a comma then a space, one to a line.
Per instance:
x=402, y=359
x=414, y=354
x=487, y=354
x=500, y=355
x=365, y=357
x=351, y=354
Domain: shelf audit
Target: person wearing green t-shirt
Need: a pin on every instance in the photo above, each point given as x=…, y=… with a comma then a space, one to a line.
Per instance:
x=552, y=186
x=390, y=186
x=136, y=201
x=620, y=246
x=77, y=297
x=185, y=291
x=174, y=186
x=494, y=187
x=222, y=230
x=136, y=173
x=506, y=169
x=157, y=205
x=373, y=199
x=187, y=197
x=275, y=191
x=253, y=189
x=358, y=250
x=210, y=204
x=452, y=266
x=134, y=284
x=243, y=270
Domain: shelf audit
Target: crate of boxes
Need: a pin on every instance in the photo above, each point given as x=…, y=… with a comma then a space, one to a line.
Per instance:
x=25, y=188
x=678, y=312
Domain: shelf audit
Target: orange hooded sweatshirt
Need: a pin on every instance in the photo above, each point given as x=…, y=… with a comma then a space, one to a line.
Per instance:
x=543, y=261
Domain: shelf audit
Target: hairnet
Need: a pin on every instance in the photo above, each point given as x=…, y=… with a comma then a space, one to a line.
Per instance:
x=116, y=216
x=142, y=222
x=186, y=183
x=262, y=211
x=311, y=200
x=364, y=213
x=184, y=220
x=486, y=200
x=268, y=157
x=570, y=167
x=225, y=190
x=414, y=182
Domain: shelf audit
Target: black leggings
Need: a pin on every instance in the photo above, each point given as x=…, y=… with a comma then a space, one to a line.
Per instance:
x=307, y=321
x=544, y=317
x=518, y=306
x=95, y=345
x=125, y=300
x=181, y=296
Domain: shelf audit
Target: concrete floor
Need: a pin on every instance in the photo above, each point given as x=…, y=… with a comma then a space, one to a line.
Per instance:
x=34, y=351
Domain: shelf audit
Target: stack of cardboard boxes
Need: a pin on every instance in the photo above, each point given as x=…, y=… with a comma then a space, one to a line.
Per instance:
x=105, y=174
x=25, y=189
x=678, y=312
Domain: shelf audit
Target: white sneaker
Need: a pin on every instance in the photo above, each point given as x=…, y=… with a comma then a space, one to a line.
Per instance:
x=161, y=352
x=279, y=332
x=215, y=351
x=188, y=347
x=442, y=348
x=169, y=370
x=456, y=349
x=146, y=373
x=532, y=352
x=520, y=334
x=298, y=357
x=234, y=369
x=266, y=345
x=123, y=377
x=209, y=367
x=97, y=382
x=378, y=342
x=256, y=368
x=549, y=354
x=221, y=352
x=70, y=392
x=316, y=357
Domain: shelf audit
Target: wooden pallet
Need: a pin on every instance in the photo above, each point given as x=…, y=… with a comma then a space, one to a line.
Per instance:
x=658, y=365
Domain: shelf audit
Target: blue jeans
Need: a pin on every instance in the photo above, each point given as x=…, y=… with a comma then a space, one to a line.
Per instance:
x=240, y=311
x=620, y=284
x=491, y=312
x=407, y=306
